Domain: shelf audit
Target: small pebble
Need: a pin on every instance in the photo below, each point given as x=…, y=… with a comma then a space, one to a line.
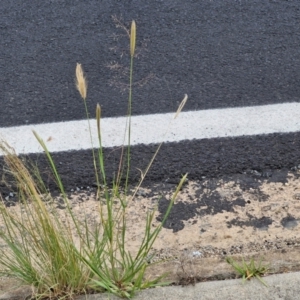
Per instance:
x=256, y=173
x=141, y=193
x=197, y=254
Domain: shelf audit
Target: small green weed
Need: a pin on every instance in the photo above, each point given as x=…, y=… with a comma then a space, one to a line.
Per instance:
x=249, y=270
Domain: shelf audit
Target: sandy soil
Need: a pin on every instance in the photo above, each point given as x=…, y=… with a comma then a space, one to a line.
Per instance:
x=247, y=215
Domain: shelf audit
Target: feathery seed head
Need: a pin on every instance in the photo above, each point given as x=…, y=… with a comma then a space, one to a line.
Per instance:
x=98, y=112
x=132, y=37
x=182, y=104
x=81, y=83
x=98, y=116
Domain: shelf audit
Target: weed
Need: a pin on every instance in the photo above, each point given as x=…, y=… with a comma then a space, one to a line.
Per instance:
x=62, y=256
x=40, y=250
x=186, y=271
x=249, y=270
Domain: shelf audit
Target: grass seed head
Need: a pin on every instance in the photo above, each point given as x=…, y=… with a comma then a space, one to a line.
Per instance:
x=81, y=83
x=182, y=104
x=98, y=111
x=98, y=116
x=132, y=37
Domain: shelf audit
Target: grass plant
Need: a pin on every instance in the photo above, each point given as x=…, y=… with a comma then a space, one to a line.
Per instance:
x=249, y=270
x=62, y=258
x=39, y=247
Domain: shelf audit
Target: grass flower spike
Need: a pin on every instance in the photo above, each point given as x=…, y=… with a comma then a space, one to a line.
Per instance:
x=81, y=81
x=98, y=116
x=132, y=38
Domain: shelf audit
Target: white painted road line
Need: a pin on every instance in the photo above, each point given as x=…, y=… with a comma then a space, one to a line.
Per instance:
x=150, y=129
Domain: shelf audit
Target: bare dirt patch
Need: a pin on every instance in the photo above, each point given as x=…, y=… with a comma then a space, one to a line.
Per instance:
x=247, y=215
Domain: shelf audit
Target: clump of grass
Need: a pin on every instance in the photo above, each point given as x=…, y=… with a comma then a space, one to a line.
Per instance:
x=40, y=247
x=249, y=270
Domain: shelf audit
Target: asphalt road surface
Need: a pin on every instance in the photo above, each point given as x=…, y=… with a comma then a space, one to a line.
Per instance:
x=224, y=54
